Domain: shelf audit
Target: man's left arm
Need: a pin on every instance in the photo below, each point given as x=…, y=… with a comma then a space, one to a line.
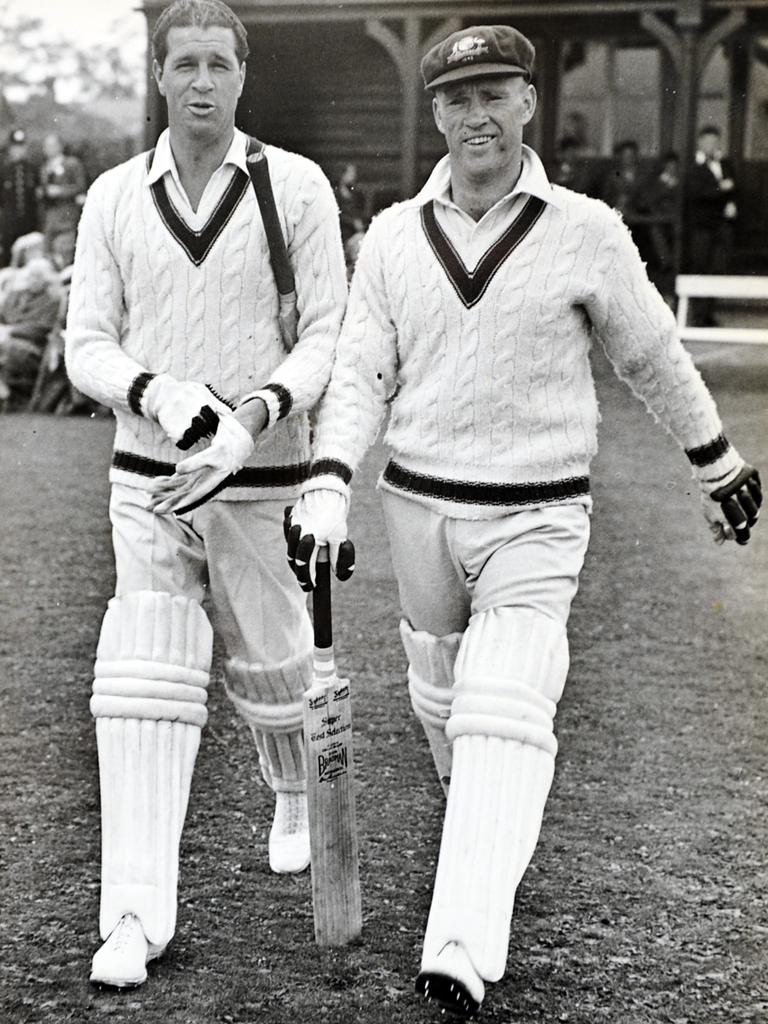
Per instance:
x=639, y=333
x=317, y=258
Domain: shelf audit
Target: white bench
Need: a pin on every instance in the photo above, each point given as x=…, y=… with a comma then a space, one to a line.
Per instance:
x=714, y=286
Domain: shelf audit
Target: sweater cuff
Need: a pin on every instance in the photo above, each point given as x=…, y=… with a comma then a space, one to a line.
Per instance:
x=276, y=397
x=715, y=464
x=136, y=391
x=329, y=475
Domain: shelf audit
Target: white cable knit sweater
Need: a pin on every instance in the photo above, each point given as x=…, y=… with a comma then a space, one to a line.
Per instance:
x=493, y=404
x=149, y=296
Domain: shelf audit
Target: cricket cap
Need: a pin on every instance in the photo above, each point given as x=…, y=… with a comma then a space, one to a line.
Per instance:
x=476, y=52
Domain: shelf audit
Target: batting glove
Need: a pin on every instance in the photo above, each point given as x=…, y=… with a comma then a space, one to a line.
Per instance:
x=200, y=476
x=318, y=518
x=733, y=508
x=186, y=411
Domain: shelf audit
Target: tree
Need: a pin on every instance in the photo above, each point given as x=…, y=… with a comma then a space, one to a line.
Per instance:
x=36, y=59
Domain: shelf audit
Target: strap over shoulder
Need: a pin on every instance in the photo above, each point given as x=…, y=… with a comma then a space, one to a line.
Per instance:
x=258, y=169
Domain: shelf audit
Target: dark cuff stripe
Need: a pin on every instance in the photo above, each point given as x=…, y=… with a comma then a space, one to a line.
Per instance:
x=476, y=493
x=283, y=397
x=251, y=476
x=333, y=466
x=137, y=389
x=708, y=453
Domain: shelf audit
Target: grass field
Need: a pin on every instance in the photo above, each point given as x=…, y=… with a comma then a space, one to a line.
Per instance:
x=646, y=899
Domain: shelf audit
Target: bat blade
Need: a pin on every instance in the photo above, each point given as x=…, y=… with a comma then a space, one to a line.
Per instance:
x=331, y=803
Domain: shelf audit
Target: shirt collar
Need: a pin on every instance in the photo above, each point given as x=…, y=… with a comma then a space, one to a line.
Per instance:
x=163, y=161
x=533, y=181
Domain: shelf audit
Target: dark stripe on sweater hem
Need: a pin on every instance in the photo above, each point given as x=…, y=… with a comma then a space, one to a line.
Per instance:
x=334, y=467
x=197, y=244
x=470, y=286
x=137, y=389
x=706, y=454
x=284, y=398
x=250, y=476
x=469, y=492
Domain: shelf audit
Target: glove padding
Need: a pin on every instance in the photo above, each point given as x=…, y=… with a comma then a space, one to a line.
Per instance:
x=318, y=518
x=200, y=476
x=739, y=502
x=186, y=411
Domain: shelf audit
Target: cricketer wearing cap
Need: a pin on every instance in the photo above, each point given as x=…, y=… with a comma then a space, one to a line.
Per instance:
x=471, y=313
x=173, y=294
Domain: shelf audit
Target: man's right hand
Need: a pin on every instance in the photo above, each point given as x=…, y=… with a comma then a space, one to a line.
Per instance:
x=318, y=518
x=186, y=411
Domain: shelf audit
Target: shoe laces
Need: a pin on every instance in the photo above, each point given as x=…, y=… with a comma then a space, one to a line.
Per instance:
x=123, y=932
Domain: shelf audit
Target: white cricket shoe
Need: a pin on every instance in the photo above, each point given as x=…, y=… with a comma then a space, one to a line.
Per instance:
x=450, y=980
x=122, y=960
x=289, y=835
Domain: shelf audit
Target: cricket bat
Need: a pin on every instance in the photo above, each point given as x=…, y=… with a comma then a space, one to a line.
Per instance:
x=330, y=782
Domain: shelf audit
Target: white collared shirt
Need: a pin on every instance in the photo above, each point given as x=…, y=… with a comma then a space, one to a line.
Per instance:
x=164, y=166
x=471, y=239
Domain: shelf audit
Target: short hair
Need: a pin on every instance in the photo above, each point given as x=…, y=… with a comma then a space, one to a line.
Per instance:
x=202, y=14
x=625, y=144
x=709, y=129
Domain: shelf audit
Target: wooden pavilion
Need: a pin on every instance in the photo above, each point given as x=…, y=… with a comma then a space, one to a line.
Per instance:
x=338, y=80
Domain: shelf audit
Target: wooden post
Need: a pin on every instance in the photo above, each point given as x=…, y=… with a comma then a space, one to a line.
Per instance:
x=412, y=88
x=406, y=55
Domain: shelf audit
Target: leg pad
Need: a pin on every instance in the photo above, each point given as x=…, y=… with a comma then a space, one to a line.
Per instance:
x=430, y=686
x=270, y=701
x=149, y=702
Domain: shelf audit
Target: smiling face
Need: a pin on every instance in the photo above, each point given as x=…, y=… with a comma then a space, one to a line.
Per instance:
x=482, y=120
x=201, y=80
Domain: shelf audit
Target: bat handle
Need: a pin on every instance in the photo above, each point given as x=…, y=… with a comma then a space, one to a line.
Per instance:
x=321, y=602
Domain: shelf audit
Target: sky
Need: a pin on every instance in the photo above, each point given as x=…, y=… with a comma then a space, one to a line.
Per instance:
x=87, y=20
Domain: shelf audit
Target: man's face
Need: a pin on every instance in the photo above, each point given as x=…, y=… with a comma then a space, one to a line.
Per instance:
x=482, y=120
x=201, y=80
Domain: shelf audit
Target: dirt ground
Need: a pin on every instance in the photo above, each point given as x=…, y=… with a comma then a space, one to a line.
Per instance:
x=646, y=899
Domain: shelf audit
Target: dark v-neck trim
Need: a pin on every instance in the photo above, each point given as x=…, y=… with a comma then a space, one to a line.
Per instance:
x=470, y=286
x=197, y=244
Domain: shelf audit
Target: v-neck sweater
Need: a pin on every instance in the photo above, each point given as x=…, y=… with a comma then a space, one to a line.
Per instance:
x=486, y=371
x=150, y=295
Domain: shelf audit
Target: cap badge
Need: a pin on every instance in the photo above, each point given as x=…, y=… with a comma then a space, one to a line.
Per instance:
x=467, y=48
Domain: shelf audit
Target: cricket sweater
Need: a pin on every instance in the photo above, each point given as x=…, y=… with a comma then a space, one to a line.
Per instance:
x=486, y=369
x=152, y=295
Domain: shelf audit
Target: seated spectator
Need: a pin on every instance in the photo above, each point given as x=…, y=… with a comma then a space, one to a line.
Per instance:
x=30, y=297
x=53, y=391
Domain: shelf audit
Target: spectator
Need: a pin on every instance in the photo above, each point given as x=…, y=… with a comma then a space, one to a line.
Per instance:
x=623, y=188
x=662, y=198
x=711, y=214
x=30, y=296
x=570, y=170
x=18, y=198
x=351, y=203
x=62, y=189
x=621, y=185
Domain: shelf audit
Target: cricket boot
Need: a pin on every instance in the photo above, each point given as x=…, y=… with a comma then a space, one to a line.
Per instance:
x=450, y=980
x=122, y=961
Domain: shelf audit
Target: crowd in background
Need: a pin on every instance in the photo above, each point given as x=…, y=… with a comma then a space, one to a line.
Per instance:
x=40, y=203
x=41, y=199
x=682, y=219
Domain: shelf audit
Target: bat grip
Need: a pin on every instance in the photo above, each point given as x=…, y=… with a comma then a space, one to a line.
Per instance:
x=321, y=601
